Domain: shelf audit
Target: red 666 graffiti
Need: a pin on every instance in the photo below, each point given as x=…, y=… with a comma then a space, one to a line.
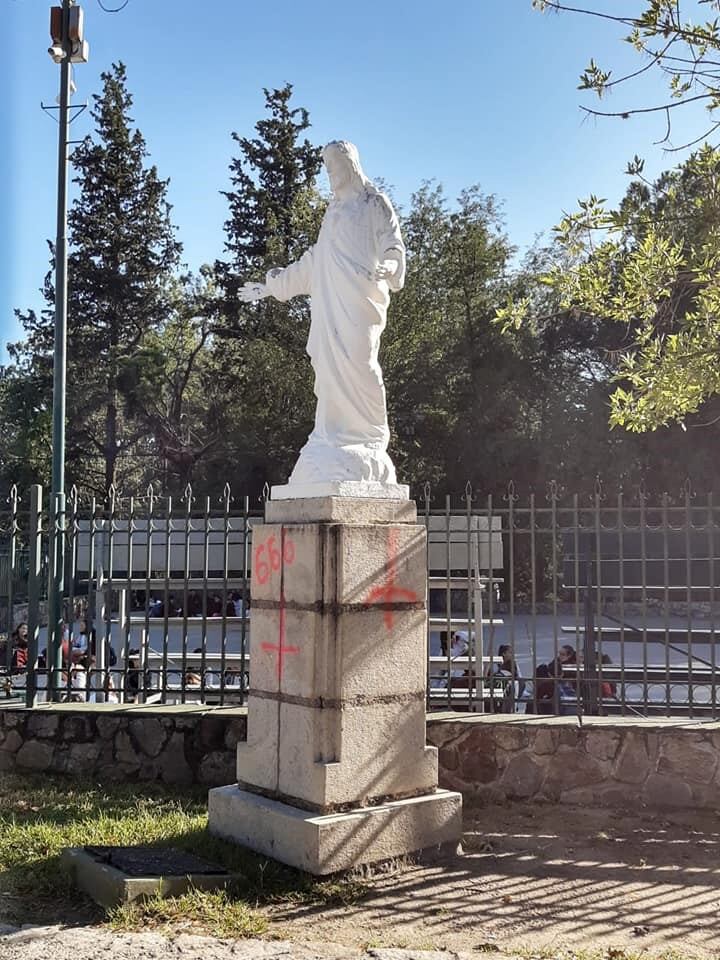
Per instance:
x=269, y=557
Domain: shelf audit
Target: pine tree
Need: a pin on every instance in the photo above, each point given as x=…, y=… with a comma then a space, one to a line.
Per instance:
x=122, y=256
x=275, y=215
x=274, y=210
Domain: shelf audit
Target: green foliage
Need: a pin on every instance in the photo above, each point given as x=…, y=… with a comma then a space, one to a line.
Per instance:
x=25, y=426
x=450, y=375
x=172, y=388
x=258, y=349
x=652, y=267
x=122, y=256
x=275, y=213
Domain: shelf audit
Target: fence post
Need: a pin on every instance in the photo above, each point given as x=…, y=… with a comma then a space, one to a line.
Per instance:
x=34, y=590
x=479, y=665
x=11, y=575
x=100, y=615
x=590, y=686
x=56, y=595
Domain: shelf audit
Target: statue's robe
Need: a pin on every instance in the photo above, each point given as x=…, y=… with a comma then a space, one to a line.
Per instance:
x=348, y=315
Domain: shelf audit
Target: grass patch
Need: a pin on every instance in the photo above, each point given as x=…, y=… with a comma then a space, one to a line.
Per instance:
x=217, y=913
x=40, y=815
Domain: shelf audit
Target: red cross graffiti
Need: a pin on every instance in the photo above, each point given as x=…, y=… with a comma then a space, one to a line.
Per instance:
x=388, y=592
x=280, y=646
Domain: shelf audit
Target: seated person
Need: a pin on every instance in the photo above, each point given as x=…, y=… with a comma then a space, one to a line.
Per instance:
x=82, y=642
x=608, y=688
x=75, y=683
x=554, y=686
x=238, y=604
x=155, y=607
x=459, y=647
x=19, y=647
x=506, y=679
x=138, y=681
x=233, y=677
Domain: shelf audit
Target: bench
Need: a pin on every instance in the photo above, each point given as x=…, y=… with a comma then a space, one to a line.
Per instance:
x=654, y=686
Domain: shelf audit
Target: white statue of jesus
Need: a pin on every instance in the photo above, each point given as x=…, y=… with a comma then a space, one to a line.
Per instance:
x=358, y=259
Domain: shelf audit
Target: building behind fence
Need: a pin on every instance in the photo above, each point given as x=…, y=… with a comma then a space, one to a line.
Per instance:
x=545, y=604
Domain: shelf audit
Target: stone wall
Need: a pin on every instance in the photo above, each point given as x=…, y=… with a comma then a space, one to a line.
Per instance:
x=603, y=762
x=180, y=745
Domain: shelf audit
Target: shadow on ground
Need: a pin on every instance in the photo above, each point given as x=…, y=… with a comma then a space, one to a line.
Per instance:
x=544, y=875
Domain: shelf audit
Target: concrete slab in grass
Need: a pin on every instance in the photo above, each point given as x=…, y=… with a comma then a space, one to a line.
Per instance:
x=111, y=879
x=424, y=828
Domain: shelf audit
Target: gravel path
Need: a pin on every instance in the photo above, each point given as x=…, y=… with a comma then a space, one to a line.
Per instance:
x=91, y=943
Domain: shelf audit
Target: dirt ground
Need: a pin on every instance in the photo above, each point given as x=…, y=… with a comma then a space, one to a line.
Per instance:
x=539, y=877
x=535, y=881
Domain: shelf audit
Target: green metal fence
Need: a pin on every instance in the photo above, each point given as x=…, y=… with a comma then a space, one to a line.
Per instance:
x=542, y=603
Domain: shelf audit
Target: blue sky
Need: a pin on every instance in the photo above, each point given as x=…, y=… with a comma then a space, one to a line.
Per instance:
x=477, y=91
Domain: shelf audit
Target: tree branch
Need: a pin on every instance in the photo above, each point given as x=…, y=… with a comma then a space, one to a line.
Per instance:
x=628, y=21
x=624, y=114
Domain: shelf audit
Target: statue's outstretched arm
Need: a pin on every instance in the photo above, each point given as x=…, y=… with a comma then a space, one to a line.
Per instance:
x=251, y=292
x=282, y=283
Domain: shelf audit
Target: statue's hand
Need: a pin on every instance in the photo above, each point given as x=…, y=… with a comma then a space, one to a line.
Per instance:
x=388, y=268
x=250, y=292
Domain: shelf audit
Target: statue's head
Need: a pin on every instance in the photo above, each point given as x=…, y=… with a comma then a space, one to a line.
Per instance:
x=342, y=162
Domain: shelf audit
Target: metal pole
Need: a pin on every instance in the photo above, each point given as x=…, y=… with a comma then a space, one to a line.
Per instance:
x=56, y=589
x=35, y=566
x=589, y=668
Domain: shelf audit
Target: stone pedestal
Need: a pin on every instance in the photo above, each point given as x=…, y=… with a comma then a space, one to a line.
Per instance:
x=335, y=772
x=347, y=489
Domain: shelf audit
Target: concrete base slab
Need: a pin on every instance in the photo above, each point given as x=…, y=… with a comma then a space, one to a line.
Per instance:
x=323, y=844
x=109, y=886
x=365, y=489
